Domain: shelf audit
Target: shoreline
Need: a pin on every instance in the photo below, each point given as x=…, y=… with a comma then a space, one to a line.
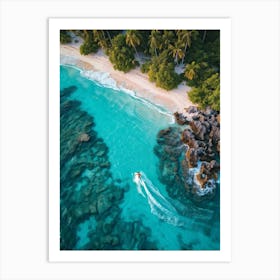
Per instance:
x=175, y=100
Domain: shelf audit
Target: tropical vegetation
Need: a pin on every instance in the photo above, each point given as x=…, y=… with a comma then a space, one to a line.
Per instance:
x=169, y=57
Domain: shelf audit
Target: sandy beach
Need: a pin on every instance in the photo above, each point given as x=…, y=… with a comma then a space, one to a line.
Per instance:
x=173, y=100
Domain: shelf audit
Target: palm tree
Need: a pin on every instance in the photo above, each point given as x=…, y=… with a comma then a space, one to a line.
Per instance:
x=167, y=38
x=185, y=37
x=109, y=36
x=85, y=35
x=176, y=51
x=133, y=39
x=192, y=70
x=155, y=41
x=100, y=37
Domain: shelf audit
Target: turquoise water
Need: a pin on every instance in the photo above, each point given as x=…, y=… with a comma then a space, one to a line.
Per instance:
x=129, y=126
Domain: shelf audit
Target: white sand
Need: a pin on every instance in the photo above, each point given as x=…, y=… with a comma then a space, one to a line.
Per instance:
x=174, y=100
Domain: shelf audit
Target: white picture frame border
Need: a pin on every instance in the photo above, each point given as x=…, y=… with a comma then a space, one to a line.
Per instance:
x=57, y=255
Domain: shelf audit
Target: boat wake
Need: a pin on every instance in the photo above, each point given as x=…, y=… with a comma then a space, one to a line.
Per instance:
x=159, y=205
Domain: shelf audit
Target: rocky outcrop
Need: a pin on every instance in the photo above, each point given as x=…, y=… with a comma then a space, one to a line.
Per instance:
x=189, y=156
x=207, y=172
x=203, y=140
x=189, y=138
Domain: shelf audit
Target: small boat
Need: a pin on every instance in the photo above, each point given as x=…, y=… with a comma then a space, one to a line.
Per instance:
x=137, y=175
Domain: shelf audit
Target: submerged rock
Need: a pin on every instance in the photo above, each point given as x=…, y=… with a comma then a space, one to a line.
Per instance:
x=84, y=137
x=111, y=240
x=100, y=188
x=93, y=207
x=87, y=188
x=66, y=92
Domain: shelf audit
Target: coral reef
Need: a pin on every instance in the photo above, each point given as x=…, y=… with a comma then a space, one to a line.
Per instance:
x=88, y=191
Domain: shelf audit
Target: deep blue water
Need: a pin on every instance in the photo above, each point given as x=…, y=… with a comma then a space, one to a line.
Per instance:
x=129, y=127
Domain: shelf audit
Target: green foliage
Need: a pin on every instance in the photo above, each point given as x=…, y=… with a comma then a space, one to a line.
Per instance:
x=177, y=51
x=166, y=77
x=214, y=53
x=191, y=71
x=78, y=32
x=121, y=55
x=133, y=38
x=65, y=37
x=101, y=39
x=168, y=38
x=155, y=41
x=89, y=45
x=161, y=71
x=163, y=58
x=144, y=46
x=208, y=93
x=197, y=50
x=145, y=67
x=196, y=73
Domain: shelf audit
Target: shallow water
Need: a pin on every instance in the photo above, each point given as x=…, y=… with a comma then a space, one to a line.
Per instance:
x=129, y=126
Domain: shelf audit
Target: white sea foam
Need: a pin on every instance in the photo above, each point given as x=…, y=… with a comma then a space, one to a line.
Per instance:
x=137, y=181
x=104, y=79
x=159, y=205
x=195, y=170
x=66, y=60
x=208, y=188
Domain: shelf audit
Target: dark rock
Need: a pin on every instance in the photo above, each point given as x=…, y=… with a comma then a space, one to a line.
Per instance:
x=198, y=128
x=191, y=109
x=195, y=117
x=203, y=142
x=214, y=164
x=180, y=118
x=66, y=92
x=215, y=134
x=188, y=138
x=209, y=111
x=191, y=157
x=163, y=132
